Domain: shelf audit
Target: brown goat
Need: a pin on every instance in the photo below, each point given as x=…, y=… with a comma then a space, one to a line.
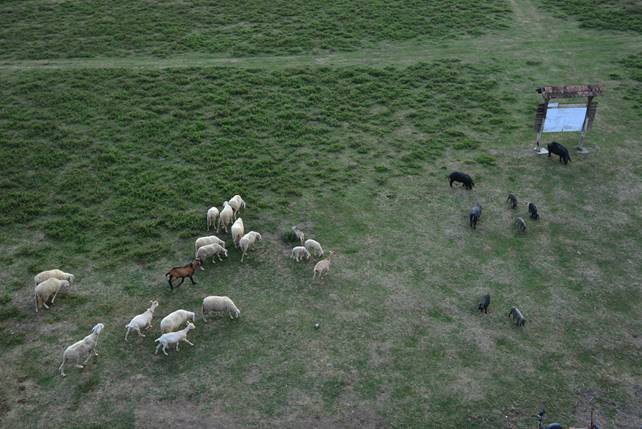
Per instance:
x=182, y=272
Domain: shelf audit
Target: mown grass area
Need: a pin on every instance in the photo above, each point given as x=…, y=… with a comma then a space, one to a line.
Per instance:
x=614, y=15
x=162, y=28
x=108, y=174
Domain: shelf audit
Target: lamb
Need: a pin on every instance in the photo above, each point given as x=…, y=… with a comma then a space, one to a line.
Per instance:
x=299, y=234
x=299, y=252
x=484, y=303
x=174, y=320
x=82, y=349
x=323, y=267
x=210, y=250
x=513, y=201
x=560, y=150
x=464, y=178
x=212, y=216
x=53, y=274
x=517, y=316
x=171, y=338
x=520, y=223
x=48, y=289
x=532, y=211
x=475, y=214
x=182, y=272
x=237, y=204
x=204, y=241
x=314, y=247
x=225, y=217
x=220, y=303
x=247, y=241
x=141, y=321
x=238, y=229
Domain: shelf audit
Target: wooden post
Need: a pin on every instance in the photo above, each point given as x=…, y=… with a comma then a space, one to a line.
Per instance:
x=538, y=148
x=580, y=147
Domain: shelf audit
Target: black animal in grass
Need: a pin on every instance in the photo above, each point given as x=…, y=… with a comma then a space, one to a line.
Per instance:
x=475, y=214
x=540, y=421
x=517, y=316
x=464, y=178
x=484, y=303
x=512, y=199
x=520, y=224
x=560, y=150
x=532, y=211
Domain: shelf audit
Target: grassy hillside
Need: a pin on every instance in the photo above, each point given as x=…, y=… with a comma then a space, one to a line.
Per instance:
x=110, y=166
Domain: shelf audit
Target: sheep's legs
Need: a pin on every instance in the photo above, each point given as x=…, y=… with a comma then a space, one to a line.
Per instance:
x=157, y=348
x=127, y=333
x=164, y=351
x=187, y=341
x=140, y=333
x=44, y=304
x=54, y=297
x=182, y=280
x=192, y=280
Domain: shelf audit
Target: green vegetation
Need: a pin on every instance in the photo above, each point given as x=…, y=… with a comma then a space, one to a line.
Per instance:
x=63, y=29
x=109, y=170
x=618, y=15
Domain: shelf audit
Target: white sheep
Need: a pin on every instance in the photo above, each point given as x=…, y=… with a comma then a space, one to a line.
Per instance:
x=314, y=247
x=174, y=320
x=220, y=303
x=212, y=216
x=141, y=321
x=238, y=230
x=247, y=241
x=299, y=234
x=171, y=338
x=204, y=241
x=48, y=289
x=82, y=349
x=225, y=217
x=299, y=252
x=237, y=204
x=210, y=250
x=53, y=274
x=323, y=267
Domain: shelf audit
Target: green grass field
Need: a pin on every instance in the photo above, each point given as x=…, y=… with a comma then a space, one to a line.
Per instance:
x=121, y=123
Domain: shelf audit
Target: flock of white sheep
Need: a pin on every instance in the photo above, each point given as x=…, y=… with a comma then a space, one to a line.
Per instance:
x=49, y=283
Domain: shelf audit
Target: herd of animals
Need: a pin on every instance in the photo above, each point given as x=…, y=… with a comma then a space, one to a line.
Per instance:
x=49, y=283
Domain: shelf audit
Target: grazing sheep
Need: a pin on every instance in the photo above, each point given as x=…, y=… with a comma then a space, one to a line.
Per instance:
x=520, y=223
x=513, y=201
x=299, y=252
x=174, y=320
x=532, y=211
x=464, y=178
x=182, y=272
x=220, y=303
x=323, y=267
x=517, y=316
x=560, y=150
x=48, y=289
x=225, y=217
x=53, y=274
x=210, y=250
x=212, y=216
x=141, y=321
x=82, y=349
x=299, y=234
x=238, y=229
x=237, y=204
x=484, y=303
x=171, y=338
x=475, y=214
x=314, y=247
x=204, y=241
x=247, y=241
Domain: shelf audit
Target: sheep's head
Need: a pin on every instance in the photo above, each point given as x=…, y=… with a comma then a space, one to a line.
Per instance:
x=197, y=263
x=258, y=236
x=64, y=284
x=97, y=329
x=225, y=252
x=200, y=264
x=190, y=326
x=70, y=278
x=236, y=312
x=193, y=317
x=153, y=305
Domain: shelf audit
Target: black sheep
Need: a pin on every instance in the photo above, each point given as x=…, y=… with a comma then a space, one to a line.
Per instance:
x=513, y=201
x=461, y=177
x=484, y=303
x=560, y=150
x=517, y=316
x=475, y=214
x=532, y=211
